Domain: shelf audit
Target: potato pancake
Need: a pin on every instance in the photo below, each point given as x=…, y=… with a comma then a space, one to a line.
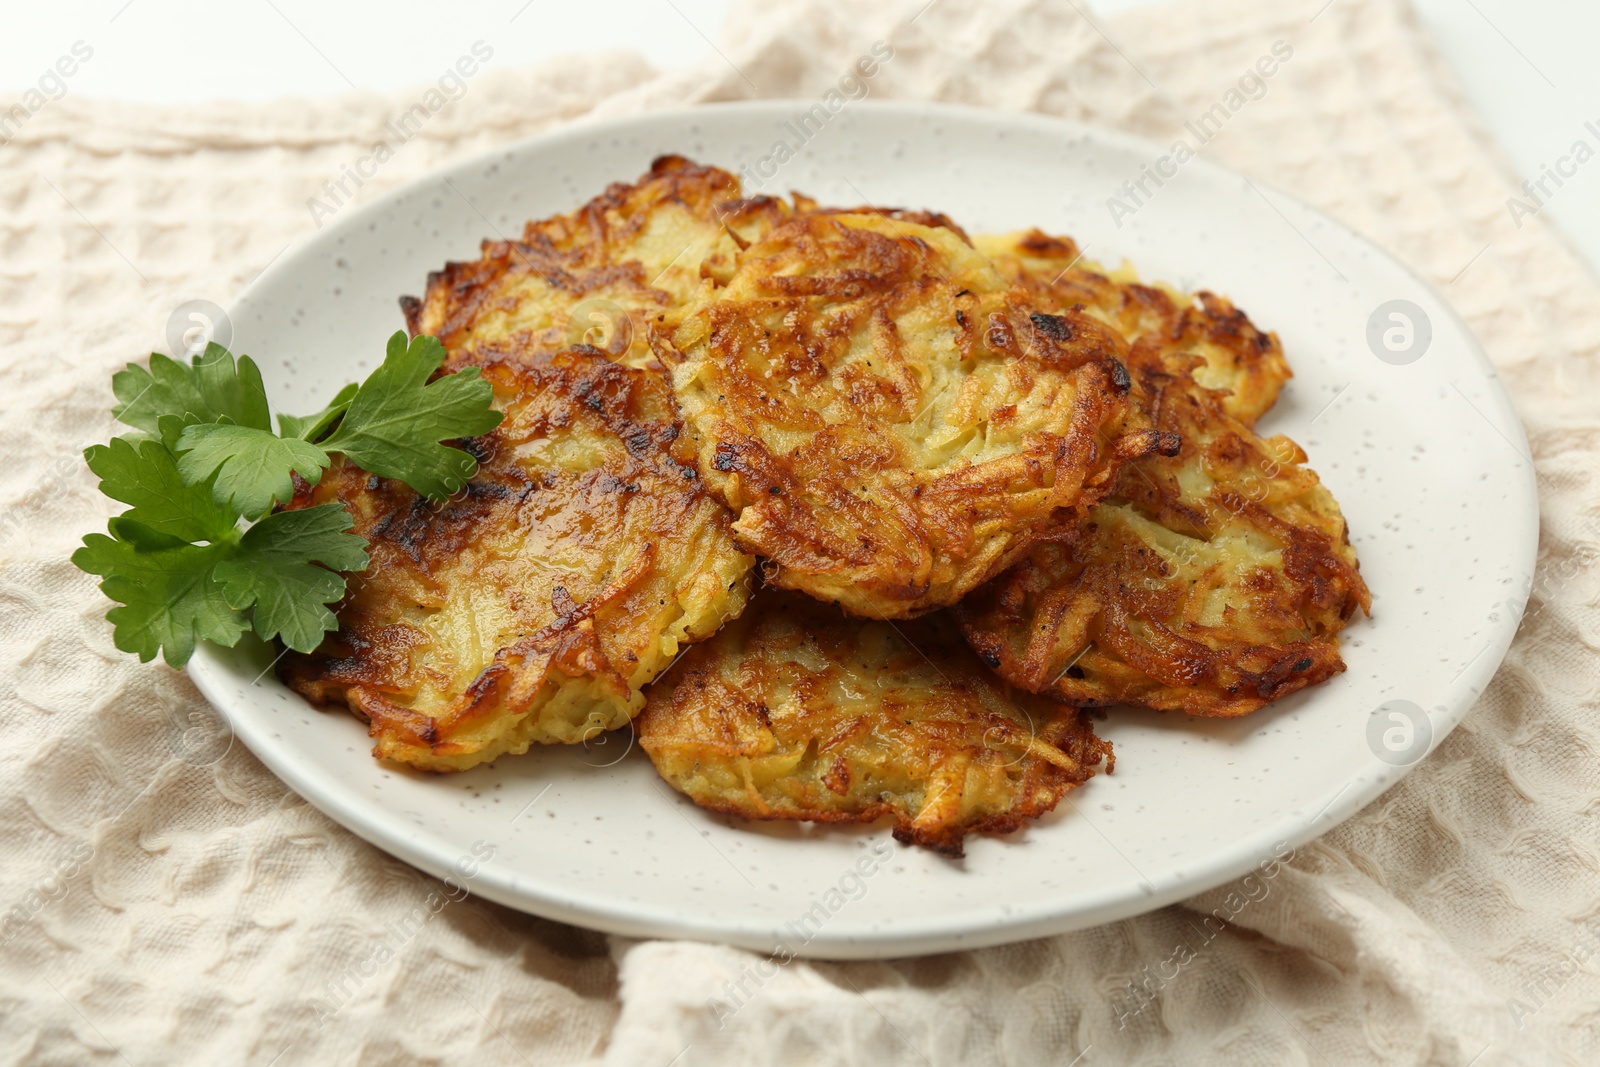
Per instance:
x=534, y=605
x=600, y=275
x=797, y=711
x=1210, y=582
x=1238, y=360
x=891, y=419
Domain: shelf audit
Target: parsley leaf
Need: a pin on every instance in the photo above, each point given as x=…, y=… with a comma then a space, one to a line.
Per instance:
x=396, y=420
x=210, y=388
x=275, y=572
x=233, y=392
x=167, y=598
x=177, y=561
x=142, y=537
x=311, y=427
x=144, y=474
x=249, y=467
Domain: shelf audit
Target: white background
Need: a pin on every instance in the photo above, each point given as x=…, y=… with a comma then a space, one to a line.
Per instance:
x=1527, y=65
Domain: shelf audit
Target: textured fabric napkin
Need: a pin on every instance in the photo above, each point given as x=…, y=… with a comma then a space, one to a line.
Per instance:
x=169, y=901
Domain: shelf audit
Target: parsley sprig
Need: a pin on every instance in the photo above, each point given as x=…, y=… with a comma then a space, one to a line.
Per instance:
x=205, y=460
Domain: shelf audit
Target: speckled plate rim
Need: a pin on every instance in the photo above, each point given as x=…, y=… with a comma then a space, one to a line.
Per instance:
x=222, y=675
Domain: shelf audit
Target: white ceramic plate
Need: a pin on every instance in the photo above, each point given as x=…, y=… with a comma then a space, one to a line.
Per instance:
x=1421, y=447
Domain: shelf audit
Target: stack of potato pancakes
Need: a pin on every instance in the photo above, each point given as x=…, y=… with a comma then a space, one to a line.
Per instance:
x=854, y=513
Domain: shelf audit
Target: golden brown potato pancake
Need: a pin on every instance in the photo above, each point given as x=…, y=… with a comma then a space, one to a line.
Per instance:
x=1238, y=360
x=797, y=711
x=1210, y=582
x=600, y=275
x=534, y=605
x=890, y=418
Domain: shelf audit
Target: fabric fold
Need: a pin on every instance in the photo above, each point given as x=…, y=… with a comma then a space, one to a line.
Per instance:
x=172, y=901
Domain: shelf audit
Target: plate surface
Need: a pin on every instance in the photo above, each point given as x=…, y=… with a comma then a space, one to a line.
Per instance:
x=1403, y=418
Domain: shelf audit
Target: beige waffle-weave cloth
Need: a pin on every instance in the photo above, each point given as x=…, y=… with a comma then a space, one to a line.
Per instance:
x=168, y=910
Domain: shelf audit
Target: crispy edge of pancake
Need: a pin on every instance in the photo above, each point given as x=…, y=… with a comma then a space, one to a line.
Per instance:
x=585, y=442
x=796, y=711
x=1240, y=361
x=886, y=473
x=1116, y=608
x=600, y=275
